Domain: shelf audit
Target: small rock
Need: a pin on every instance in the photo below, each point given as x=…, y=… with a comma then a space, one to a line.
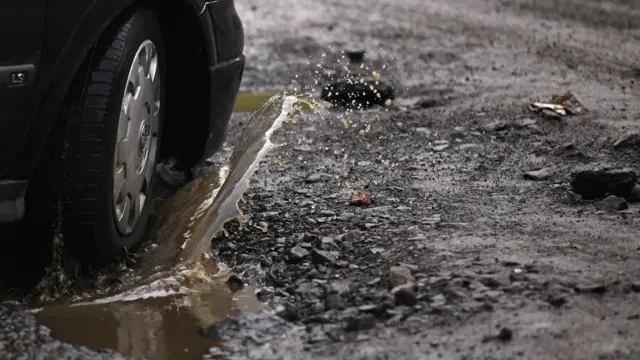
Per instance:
x=322, y=257
x=418, y=237
x=339, y=287
x=361, y=323
x=438, y=300
x=377, y=250
x=359, y=198
x=351, y=236
x=318, y=177
x=399, y=275
x=634, y=195
x=591, y=288
x=505, y=334
x=265, y=294
x=557, y=300
x=235, y=283
x=427, y=103
x=522, y=123
x=367, y=308
x=334, y=301
x=404, y=295
x=635, y=286
x=538, y=175
x=612, y=203
x=495, y=126
x=459, y=132
x=423, y=131
x=630, y=140
x=374, y=281
x=297, y=253
x=494, y=281
x=572, y=198
x=599, y=182
x=439, y=148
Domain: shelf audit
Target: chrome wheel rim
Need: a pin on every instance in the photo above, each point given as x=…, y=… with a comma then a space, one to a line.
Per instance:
x=137, y=139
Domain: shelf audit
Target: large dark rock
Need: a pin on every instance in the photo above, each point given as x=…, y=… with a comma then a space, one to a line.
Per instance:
x=600, y=182
x=355, y=93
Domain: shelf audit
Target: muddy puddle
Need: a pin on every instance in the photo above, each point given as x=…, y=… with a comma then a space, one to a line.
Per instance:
x=174, y=289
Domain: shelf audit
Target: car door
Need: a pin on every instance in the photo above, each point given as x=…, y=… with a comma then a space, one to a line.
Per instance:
x=22, y=24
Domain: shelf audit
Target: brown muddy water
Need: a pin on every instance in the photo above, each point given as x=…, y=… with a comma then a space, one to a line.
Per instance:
x=175, y=289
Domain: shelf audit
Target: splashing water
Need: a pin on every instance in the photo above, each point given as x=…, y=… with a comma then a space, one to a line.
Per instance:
x=188, y=243
x=187, y=222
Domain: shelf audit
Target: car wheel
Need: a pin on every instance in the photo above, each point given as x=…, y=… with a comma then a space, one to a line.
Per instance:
x=114, y=118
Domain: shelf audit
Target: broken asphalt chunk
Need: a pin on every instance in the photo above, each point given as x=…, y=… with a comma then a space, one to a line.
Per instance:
x=600, y=182
x=630, y=140
x=360, y=93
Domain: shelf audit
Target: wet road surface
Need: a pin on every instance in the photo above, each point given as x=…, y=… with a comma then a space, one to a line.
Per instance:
x=502, y=266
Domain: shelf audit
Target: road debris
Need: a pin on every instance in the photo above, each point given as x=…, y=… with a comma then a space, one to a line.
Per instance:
x=538, y=175
x=359, y=198
x=612, y=203
x=595, y=182
x=558, y=105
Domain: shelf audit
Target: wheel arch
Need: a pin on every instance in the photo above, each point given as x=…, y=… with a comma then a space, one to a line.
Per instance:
x=78, y=47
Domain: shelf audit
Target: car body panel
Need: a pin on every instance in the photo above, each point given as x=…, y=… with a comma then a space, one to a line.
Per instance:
x=21, y=32
x=72, y=27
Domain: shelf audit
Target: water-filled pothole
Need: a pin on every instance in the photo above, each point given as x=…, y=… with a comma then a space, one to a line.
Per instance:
x=171, y=292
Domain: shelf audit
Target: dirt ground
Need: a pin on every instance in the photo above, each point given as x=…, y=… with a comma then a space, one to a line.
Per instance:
x=461, y=255
x=504, y=267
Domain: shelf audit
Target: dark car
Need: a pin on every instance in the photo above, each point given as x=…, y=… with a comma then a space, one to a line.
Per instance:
x=93, y=93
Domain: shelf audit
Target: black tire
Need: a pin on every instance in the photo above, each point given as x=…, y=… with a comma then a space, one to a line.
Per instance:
x=88, y=226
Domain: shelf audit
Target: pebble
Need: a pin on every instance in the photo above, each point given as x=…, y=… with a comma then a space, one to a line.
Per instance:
x=557, y=300
x=361, y=323
x=322, y=257
x=459, y=132
x=334, y=301
x=399, y=275
x=629, y=140
x=591, y=288
x=418, y=237
x=318, y=177
x=538, y=175
x=521, y=123
x=495, y=126
x=612, y=203
x=235, y=283
x=351, y=236
x=423, y=131
x=297, y=253
x=505, y=334
x=404, y=295
x=439, y=148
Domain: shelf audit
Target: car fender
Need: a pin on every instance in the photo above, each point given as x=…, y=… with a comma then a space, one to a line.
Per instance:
x=52, y=90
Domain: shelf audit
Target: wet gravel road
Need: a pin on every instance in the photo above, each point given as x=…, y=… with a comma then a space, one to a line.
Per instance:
x=475, y=247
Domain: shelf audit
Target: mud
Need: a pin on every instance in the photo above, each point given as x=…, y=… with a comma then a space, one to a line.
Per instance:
x=474, y=247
